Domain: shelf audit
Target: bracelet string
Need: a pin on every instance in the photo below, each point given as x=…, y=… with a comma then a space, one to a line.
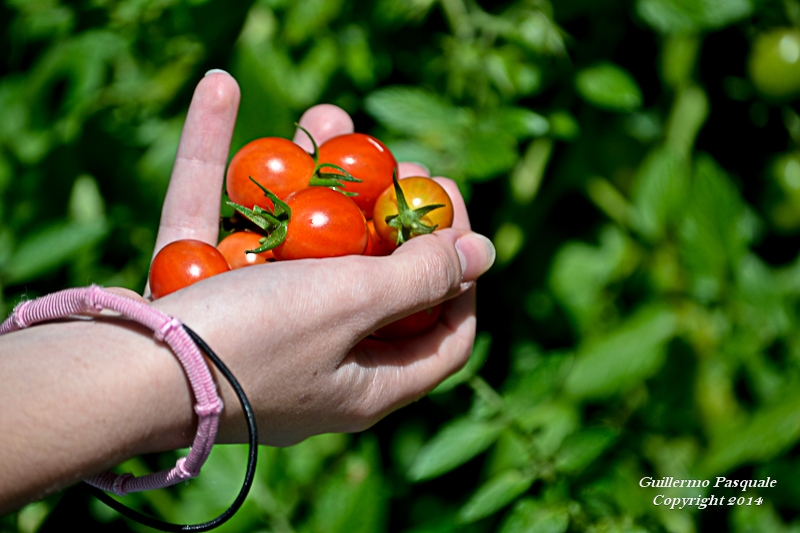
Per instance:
x=189, y=349
x=93, y=299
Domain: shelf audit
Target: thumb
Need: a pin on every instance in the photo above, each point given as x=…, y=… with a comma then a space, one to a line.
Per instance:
x=430, y=269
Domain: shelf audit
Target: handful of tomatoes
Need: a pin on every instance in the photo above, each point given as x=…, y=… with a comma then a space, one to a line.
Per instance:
x=342, y=199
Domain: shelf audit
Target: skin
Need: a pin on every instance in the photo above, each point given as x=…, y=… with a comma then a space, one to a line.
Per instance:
x=80, y=396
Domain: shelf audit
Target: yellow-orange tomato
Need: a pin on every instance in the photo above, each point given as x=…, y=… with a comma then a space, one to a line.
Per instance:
x=419, y=191
x=234, y=248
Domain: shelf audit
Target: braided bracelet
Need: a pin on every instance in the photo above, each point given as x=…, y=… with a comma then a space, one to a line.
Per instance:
x=186, y=344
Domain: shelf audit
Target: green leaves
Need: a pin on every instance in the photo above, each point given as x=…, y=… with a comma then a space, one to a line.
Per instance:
x=455, y=444
x=494, y=495
x=480, y=352
x=716, y=230
x=622, y=358
x=687, y=16
x=609, y=86
x=51, y=248
x=460, y=143
x=531, y=516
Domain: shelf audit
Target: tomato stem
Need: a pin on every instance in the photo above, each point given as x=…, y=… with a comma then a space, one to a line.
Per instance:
x=273, y=222
x=408, y=222
x=315, y=152
x=327, y=179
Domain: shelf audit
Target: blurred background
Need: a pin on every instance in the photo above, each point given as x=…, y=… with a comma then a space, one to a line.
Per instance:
x=635, y=162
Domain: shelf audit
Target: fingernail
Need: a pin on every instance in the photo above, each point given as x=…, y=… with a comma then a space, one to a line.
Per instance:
x=476, y=254
x=216, y=71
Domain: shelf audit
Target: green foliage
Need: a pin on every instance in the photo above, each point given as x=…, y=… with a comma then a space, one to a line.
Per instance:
x=636, y=164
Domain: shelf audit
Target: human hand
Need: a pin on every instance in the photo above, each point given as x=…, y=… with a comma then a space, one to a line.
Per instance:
x=295, y=333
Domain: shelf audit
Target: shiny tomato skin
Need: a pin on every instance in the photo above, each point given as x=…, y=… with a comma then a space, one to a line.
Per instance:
x=182, y=263
x=411, y=325
x=234, y=248
x=419, y=191
x=324, y=223
x=376, y=245
x=367, y=159
x=278, y=164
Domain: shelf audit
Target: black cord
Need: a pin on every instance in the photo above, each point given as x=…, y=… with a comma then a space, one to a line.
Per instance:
x=248, y=477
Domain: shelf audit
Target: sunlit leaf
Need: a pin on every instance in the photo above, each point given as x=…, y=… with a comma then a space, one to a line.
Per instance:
x=480, y=352
x=352, y=499
x=660, y=192
x=530, y=516
x=414, y=111
x=744, y=441
x=52, y=248
x=624, y=357
x=581, y=449
x=609, y=86
x=454, y=445
x=676, y=16
x=494, y=495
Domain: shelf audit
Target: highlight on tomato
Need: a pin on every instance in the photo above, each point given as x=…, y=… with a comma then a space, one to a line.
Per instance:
x=323, y=223
x=182, y=263
x=276, y=163
x=413, y=206
x=366, y=159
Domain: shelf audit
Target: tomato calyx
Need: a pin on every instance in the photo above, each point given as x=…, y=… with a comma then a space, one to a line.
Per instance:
x=332, y=180
x=408, y=222
x=274, y=222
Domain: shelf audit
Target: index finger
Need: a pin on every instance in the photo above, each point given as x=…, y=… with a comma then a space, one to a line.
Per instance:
x=191, y=206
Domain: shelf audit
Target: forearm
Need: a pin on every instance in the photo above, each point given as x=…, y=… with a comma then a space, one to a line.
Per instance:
x=79, y=397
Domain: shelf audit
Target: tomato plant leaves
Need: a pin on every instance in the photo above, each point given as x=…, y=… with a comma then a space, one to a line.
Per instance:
x=609, y=86
x=480, y=352
x=495, y=494
x=620, y=359
x=455, y=444
x=531, y=516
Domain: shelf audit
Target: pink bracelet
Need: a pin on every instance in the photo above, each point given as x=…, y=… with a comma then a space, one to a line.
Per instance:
x=94, y=299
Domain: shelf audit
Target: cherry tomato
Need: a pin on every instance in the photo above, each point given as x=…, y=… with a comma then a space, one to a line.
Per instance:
x=234, y=248
x=181, y=263
x=774, y=63
x=365, y=158
x=377, y=246
x=324, y=223
x=419, y=192
x=411, y=325
x=278, y=164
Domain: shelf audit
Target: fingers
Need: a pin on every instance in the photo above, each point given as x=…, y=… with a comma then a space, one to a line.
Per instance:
x=403, y=371
x=323, y=122
x=460, y=216
x=191, y=206
x=407, y=169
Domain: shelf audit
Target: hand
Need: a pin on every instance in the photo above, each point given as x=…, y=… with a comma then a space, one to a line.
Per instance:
x=295, y=333
x=82, y=396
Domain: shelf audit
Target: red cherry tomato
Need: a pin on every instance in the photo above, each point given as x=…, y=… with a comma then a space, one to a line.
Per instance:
x=181, y=263
x=324, y=223
x=419, y=192
x=411, y=325
x=278, y=164
x=365, y=158
x=377, y=246
x=234, y=248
